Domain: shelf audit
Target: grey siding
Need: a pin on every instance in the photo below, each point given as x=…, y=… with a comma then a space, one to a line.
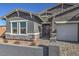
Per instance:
x=36, y=29
x=8, y=27
x=30, y=27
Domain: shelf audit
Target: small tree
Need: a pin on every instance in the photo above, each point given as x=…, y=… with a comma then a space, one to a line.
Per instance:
x=5, y=41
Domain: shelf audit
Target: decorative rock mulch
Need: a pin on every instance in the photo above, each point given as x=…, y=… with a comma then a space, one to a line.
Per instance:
x=68, y=48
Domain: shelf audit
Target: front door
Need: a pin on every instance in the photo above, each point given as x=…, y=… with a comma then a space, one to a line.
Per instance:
x=46, y=31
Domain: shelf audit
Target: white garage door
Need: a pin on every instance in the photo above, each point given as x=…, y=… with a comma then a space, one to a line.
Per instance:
x=67, y=32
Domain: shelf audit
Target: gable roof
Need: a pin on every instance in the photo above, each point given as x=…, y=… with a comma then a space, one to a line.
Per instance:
x=55, y=11
x=17, y=11
x=56, y=8
x=75, y=18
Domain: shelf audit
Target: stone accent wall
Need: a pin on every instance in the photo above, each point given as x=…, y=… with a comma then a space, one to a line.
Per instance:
x=28, y=37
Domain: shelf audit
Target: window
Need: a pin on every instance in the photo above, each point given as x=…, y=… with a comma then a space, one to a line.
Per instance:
x=19, y=27
x=14, y=27
x=22, y=27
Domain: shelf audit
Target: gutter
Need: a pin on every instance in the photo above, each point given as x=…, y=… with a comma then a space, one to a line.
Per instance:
x=65, y=22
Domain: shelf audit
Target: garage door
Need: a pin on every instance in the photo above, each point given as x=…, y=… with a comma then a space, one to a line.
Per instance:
x=67, y=32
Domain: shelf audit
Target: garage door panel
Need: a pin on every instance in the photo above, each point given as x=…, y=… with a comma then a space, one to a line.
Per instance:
x=67, y=32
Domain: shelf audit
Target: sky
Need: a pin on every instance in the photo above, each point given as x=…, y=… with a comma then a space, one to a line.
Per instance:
x=32, y=7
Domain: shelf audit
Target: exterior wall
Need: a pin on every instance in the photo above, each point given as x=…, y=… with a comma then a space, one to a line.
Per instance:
x=8, y=50
x=32, y=28
x=8, y=26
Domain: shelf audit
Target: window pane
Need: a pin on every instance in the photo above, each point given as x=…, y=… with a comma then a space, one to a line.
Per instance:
x=23, y=27
x=14, y=27
x=15, y=31
x=23, y=24
x=14, y=24
x=23, y=31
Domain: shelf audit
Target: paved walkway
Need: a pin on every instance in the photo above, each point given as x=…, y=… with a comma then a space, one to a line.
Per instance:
x=44, y=42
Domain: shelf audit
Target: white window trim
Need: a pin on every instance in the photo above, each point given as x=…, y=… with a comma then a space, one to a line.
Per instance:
x=18, y=20
x=25, y=34
x=12, y=28
x=18, y=25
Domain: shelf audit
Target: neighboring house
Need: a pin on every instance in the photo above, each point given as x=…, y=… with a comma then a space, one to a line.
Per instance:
x=22, y=25
x=2, y=31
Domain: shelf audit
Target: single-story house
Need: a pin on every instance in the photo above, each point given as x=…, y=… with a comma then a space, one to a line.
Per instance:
x=22, y=24
x=60, y=22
